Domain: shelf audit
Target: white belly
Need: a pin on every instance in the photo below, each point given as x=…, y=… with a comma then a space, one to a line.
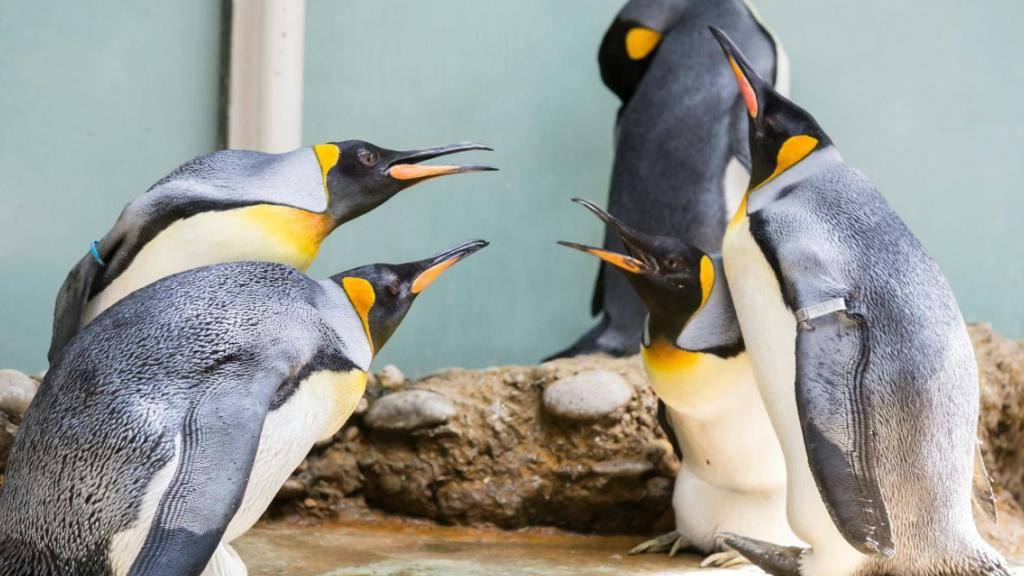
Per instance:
x=317, y=409
x=769, y=330
x=721, y=424
x=262, y=233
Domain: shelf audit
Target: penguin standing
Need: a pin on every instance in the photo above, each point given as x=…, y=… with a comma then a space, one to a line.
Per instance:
x=675, y=104
x=236, y=205
x=733, y=474
x=171, y=421
x=862, y=359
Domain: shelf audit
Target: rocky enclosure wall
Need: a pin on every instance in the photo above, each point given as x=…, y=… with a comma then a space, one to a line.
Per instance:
x=572, y=443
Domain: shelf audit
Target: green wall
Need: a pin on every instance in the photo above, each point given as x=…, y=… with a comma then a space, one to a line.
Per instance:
x=98, y=100
x=95, y=109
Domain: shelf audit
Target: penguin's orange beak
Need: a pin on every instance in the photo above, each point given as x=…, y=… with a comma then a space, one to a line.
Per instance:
x=434, y=266
x=406, y=167
x=750, y=84
x=637, y=261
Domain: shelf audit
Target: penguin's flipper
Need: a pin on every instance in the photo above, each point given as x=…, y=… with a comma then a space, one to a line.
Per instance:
x=217, y=447
x=69, y=306
x=629, y=45
x=983, y=496
x=666, y=427
x=832, y=352
x=772, y=558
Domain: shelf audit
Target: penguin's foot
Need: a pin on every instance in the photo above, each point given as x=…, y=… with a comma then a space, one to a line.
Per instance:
x=725, y=559
x=772, y=558
x=671, y=542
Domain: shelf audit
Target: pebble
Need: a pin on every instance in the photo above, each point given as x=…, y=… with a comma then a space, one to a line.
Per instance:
x=587, y=396
x=408, y=410
x=16, y=392
x=622, y=468
x=390, y=377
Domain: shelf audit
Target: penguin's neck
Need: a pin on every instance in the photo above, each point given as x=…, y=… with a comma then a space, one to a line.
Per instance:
x=696, y=384
x=337, y=311
x=263, y=232
x=770, y=190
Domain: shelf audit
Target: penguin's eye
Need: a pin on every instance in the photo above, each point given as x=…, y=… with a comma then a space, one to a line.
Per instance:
x=394, y=288
x=367, y=157
x=672, y=263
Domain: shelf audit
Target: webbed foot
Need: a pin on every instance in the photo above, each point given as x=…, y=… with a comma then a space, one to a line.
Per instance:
x=671, y=542
x=725, y=559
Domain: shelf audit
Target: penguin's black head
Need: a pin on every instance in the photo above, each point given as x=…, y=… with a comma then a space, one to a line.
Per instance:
x=781, y=133
x=631, y=41
x=382, y=294
x=672, y=278
x=360, y=176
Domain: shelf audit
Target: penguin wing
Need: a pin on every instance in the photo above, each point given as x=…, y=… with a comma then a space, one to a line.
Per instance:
x=835, y=413
x=217, y=181
x=984, y=499
x=668, y=429
x=218, y=442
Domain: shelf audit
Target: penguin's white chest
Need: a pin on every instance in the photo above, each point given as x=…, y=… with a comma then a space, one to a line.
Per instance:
x=721, y=424
x=769, y=331
x=262, y=233
x=319, y=407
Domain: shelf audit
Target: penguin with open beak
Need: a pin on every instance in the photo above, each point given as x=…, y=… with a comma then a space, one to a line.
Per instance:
x=681, y=158
x=733, y=474
x=236, y=205
x=862, y=359
x=169, y=423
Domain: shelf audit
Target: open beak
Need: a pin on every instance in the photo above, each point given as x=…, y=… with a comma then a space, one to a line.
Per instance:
x=433, y=267
x=405, y=165
x=638, y=261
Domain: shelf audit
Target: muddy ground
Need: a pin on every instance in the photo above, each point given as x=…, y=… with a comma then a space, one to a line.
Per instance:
x=572, y=444
x=503, y=457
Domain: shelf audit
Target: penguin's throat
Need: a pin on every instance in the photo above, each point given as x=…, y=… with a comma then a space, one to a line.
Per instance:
x=662, y=356
x=297, y=232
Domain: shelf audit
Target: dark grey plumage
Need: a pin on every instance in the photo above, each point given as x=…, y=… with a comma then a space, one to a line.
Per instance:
x=201, y=354
x=887, y=390
x=677, y=130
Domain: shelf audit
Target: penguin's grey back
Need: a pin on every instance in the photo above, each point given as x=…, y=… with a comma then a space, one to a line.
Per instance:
x=921, y=373
x=675, y=138
x=105, y=419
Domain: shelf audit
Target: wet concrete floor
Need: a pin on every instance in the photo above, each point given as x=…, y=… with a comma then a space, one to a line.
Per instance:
x=373, y=544
x=400, y=549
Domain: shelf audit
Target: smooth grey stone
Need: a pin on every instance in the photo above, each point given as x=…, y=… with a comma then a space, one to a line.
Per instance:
x=408, y=410
x=587, y=396
x=16, y=392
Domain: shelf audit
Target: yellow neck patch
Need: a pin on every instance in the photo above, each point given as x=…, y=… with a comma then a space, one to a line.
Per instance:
x=792, y=151
x=327, y=155
x=295, y=234
x=664, y=356
x=360, y=293
x=640, y=42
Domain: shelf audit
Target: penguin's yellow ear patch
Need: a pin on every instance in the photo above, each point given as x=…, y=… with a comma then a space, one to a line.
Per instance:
x=360, y=293
x=707, y=279
x=640, y=42
x=793, y=150
x=327, y=155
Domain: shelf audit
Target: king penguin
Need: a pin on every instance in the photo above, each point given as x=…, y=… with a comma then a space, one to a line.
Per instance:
x=169, y=423
x=733, y=474
x=236, y=205
x=861, y=356
x=675, y=104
